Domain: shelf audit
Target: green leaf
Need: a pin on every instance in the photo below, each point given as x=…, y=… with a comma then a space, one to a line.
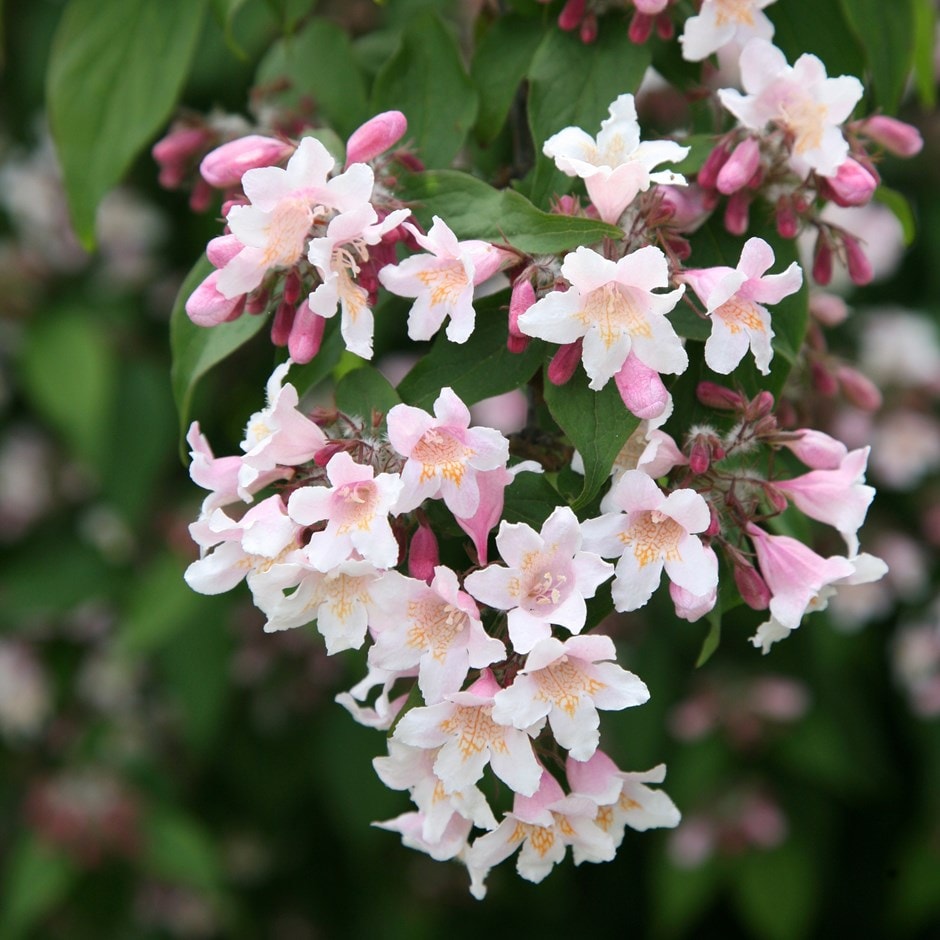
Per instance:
x=177, y=849
x=196, y=349
x=902, y=210
x=712, y=638
x=474, y=209
x=364, y=390
x=573, y=84
x=319, y=63
x=531, y=499
x=36, y=878
x=115, y=72
x=597, y=424
x=886, y=33
x=224, y=13
x=925, y=31
x=426, y=80
x=682, y=895
x=69, y=372
x=475, y=370
x=500, y=62
x=700, y=146
x=776, y=892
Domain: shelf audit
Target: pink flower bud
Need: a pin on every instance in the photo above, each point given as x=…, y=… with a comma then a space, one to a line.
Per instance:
x=566, y=205
x=685, y=205
x=708, y=175
x=776, y=499
x=823, y=380
x=180, y=145
x=752, y=587
x=571, y=15
x=699, y=456
x=828, y=309
x=564, y=363
x=375, y=137
x=714, y=524
x=788, y=222
x=822, y=261
x=207, y=307
x=293, y=287
x=641, y=389
x=665, y=28
x=651, y=7
x=222, y=249
x=895, y=136
x=860, y=269
x=258, y=301
x=737, y=215
x=325, y=454
x=522, y=297
x=423, y=554
x=859, y=389
x=282, y=324
x=760, y=406
x=641, y=28
x=201, y=196
x=588, y=32
x=852, y=184
x=739, y=167
x=306, y=334
x=712, y=395
x=225, y=166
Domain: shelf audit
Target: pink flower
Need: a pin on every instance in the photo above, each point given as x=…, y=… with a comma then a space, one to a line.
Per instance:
x=801, y=100
x=617, y=165
x=547, y=580
x=720, y=22
x=568, y=682
x=443, y=454
x=652, y=532
x=734, y=299
x=355, y=509
x=613, y=307
x=442, y=282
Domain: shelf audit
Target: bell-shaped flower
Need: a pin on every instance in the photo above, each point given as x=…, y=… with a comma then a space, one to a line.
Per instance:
x=443, y=454
x=355, y=508
x=617, y=165
x=462, y=731
x=567, y=683
x=837, y=497
x=611, y=305
x=435, y=627
x=653, y=531
x=800, y=99
x=442, y=281
x=385, y=707
x=720, y=22
x=734, y=300
x=543, y=825
x=547, y=579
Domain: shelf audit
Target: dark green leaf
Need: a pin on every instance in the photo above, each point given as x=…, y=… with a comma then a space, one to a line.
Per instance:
x=573, y=84
x=426, y=80
x=196, y=349
x=475, y=370
x=36, y=878
x=925, y=31
x=902, y=210
x=363, y=391
x=319, y=64
x=597, y=424
x=682, y=895
x=473, y=209
x=712, y=638
x=700, y=146
x=70, y=375
x=224, y=12
x=530, y=498
x=178, y=850
x=115, y=72
x=500, y=63
x=886, y=33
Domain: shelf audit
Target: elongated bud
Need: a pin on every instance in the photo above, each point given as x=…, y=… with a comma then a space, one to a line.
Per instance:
x=822, y=261
x=823, y=380
x=222, y=249
x=641, y=28
x=588, y=31
x=180, y=145
x=859, y=389
x=571, y=15
x=325, y=454
x=788, y=222
x=903, y=140
x=828, y=309
x=665, y=28
x=860, y=269
x=852, y=185
x=306, y=334
x=751, y=585
x=716, y=396
x=708, y=175
x=737, y=213
x=739, y=167
x=201, y=196
x=258, y=301
x=207, y=307
x=564, y=363
x=760, y=406
x=423, y=554
x=641, y=389
x=282, y=324
x=225, y=166
x=699, y=456
x=651, y=7
x=376, y=136
x=775, y=497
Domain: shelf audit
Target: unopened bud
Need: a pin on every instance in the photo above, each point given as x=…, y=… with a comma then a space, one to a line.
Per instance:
x=718, y=396
x=852, y=184
x=895, y=136
x=828, y=309
x=641, y=28
x=306, y=334
x=293, y=287
x=822, y=261
x=376, y=136
x=588, y=32
x=222, y=249
x=282, y=324
x=739, y=167
x=699, y=456
x=564, y=363
x=641, y=389
x=860, y=269
x=180, y=145
x=788, y=222
x=571, y=15
x=423, y=554
x=823, y=380
x=257, y=301
x=201, y=196
x=859, y=389
x=737, y=213
x=225, y=166
x=775, y=497
x=708, y=175
x=325, y=454
x=665, y=28
x=752, y=587
x=207, y=307
x=760, y=406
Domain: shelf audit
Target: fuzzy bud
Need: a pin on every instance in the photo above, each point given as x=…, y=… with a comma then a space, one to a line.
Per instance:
x=760, y=406
x=739, y=167
x=376, y=136
x=225, y=166
x=895, y=136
